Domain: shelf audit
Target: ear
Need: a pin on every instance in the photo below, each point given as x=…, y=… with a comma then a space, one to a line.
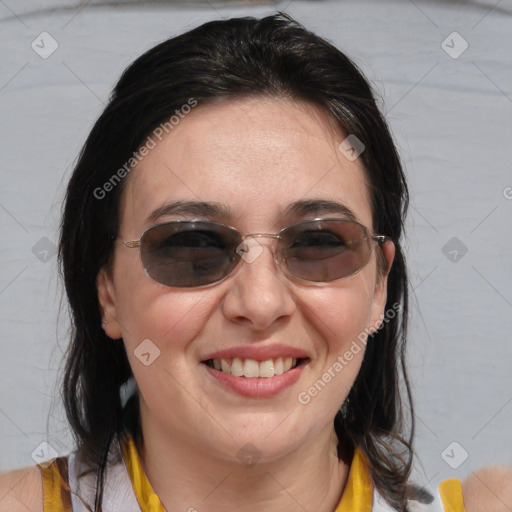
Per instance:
x=380, y=294
x=107, y=300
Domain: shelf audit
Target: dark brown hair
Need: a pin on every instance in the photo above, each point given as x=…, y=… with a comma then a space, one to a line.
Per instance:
x=273, y=56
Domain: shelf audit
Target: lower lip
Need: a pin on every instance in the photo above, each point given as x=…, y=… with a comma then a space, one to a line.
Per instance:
x=257, y=387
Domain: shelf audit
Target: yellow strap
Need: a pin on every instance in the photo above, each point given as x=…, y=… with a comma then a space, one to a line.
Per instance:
x=148, y=500
x=357, y=497
x=56, y=496
x=358, y=493
x=451, y=495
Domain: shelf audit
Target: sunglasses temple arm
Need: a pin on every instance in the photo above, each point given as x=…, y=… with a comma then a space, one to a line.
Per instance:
x=380, y=239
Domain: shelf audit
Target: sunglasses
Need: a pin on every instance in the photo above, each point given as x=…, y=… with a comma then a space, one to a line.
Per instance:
x=192, y=254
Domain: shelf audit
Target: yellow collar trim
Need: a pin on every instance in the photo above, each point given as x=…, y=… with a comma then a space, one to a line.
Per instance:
x=147, y=498
x=358, y=493
x=451, y=495
x=357, y=496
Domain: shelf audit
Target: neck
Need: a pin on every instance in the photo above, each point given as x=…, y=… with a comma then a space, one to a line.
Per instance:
x=186, y=478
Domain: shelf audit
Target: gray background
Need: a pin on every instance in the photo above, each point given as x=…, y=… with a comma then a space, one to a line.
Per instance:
x=450, y=113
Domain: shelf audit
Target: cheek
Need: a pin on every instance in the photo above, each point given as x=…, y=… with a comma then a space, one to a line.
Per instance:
x=170, y=319
x=148, y=310
x=159, y=341
x=338, y=318
x=340, y=315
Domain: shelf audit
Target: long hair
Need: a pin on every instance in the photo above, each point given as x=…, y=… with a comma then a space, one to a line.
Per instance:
x=274, y=57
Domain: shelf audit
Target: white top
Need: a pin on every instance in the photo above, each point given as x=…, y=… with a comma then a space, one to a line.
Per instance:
x=120, y=496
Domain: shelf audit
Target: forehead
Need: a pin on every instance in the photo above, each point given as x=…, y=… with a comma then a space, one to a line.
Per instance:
x=253, y=158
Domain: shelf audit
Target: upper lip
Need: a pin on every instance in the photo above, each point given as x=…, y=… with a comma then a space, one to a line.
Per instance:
x=258, y=353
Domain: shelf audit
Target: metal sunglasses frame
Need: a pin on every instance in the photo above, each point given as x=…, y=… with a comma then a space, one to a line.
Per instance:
x=134, y=244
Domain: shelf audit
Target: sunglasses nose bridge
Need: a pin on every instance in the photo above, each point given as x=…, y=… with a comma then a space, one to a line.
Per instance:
x=275, y=252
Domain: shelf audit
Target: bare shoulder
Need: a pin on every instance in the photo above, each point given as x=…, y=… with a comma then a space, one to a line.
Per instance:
x=488, y=489
x=21, y=490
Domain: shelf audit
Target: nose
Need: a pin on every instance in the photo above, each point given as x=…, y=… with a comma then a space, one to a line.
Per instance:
x=259, y=294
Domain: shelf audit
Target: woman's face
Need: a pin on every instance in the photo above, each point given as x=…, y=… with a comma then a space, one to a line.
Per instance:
x=255, y=156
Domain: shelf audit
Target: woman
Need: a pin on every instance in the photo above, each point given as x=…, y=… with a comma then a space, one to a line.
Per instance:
x=230, y=243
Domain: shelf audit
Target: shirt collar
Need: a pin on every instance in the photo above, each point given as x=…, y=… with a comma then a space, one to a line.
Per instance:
x=357, y=496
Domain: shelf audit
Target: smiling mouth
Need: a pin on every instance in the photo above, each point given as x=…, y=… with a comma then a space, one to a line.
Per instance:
x=251, y=368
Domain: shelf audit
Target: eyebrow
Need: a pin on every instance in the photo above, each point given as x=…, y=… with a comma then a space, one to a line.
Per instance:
x=209, y=209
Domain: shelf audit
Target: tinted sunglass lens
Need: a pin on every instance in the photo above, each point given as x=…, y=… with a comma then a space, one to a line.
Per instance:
x=323, y=251
x=194, y=254
x=188, y=254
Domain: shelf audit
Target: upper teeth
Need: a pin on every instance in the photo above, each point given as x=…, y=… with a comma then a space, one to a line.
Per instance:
x=251, y=368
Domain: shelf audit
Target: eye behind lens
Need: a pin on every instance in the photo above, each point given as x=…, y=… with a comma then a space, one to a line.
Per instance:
x=189, y=255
